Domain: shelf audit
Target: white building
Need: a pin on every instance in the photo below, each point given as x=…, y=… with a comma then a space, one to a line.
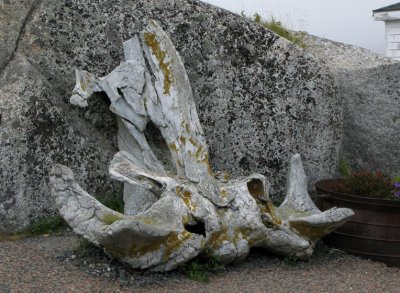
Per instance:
x=391, y=16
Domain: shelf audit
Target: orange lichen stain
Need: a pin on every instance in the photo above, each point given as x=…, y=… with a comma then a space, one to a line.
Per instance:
x=83, y=85
x=145, y=103
x=271, y=210
x=170, y=243
x=138, y=248
x=152, y=42
x=185, y=125
x=226, y=176
x=143, y=248
x=174, y=242
x=182, y=139
x=186, y=219
x=193, y=142
x=186, y=196
x=206, y=161
x=172, y=147
x=199, y=152
x=201, y=156
x=218, y=238
x=311, y=233
x=179, y=163
x=223, y=192
x=242, y=233
x=148, y=221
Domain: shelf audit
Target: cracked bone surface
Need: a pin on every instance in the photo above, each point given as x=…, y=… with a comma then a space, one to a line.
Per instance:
x=175, y=207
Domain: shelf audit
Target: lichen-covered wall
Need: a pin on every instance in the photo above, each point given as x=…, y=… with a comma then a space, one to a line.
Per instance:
x=260, y=98
x=368, y=88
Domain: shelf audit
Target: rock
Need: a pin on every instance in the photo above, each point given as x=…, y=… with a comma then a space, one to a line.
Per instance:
x=35, y=133
x=368, y=88
x=260, y=98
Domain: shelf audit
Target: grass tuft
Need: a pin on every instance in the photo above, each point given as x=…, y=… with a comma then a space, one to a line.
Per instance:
x=114, y=201
x=200, y=271
x=290, y=260
x=344, y=168
x=47, y=225
x=277, y=27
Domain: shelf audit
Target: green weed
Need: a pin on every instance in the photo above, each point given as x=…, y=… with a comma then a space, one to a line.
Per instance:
x=200, y=271
x=344, y=168
x=114, y=201
x=87, y=249
x=277, y=27
x=290, y=260
x=47, y=225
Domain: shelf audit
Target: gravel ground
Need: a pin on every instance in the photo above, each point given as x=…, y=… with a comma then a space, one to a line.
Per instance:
x=62, y=264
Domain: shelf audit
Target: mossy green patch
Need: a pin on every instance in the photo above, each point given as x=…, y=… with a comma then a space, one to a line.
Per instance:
x=110, y=219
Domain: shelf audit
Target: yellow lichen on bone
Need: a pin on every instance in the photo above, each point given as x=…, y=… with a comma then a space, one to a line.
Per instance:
x=110, y=219
x=182, y=139
x=223, y=192
x=185, y=125
x=186, y=196
x=83, y=85
x=217, y=238
x=310, y=232
x=270, y=209
x=172, y=147
x=242, y=233
x=174, y=242
x=151, y=41
x=170, y=243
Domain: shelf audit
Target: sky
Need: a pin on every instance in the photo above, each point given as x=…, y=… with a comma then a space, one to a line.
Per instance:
x=347, y=21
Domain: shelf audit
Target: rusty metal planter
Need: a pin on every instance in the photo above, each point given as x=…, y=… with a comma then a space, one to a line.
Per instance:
x=373, y=232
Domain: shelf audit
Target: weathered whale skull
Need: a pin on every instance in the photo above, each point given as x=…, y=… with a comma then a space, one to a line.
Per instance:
x=175, y=207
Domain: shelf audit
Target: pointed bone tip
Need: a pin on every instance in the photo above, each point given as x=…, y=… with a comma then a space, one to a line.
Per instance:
x=347, y=212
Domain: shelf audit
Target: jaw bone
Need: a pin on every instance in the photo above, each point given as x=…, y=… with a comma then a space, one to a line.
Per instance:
x=181, y=211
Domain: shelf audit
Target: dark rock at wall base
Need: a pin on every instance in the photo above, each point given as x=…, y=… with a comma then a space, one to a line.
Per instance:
x=260, y=98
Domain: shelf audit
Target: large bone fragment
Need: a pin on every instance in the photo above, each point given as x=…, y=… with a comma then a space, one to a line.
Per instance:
x=178, y=209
